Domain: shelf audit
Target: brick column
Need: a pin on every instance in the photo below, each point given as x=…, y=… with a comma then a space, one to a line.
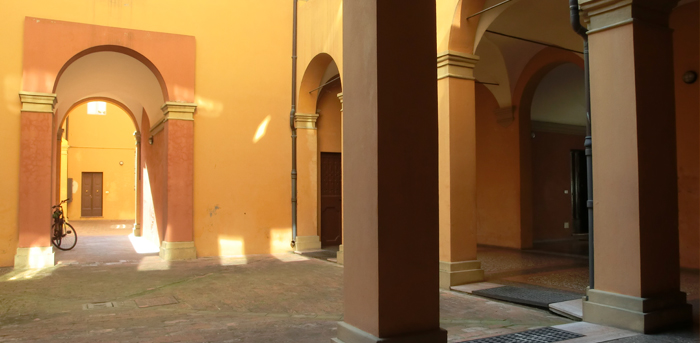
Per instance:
x=178, y=126
x=35, y=193
x=457, y=127
x=307, y=170
x=637, y=269
x=390, y=148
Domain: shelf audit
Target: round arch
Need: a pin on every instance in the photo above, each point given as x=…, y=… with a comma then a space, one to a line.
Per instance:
x=118, y=49
x=114, y=102
x=533, y=73
x=311, y=82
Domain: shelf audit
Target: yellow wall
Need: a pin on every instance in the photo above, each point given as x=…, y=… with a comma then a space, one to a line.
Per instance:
x=242, y=186
x=97, y=143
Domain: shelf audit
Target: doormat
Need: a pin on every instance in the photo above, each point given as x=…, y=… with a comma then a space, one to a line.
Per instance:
x=542, y=335
x=160, y=301
x=528, y=296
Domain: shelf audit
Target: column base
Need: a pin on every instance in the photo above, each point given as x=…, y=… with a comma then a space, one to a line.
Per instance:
x=460, y=273
x=306, y=243
x=35, y=257
x=350, y=334
x=177, y=251
x=340, y=257
x=137, y=230
x=645, y=315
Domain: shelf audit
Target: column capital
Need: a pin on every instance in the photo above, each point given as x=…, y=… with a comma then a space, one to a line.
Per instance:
x=305, y=120
x=174, y=111
x=340, y=97
x=602, y=15
x=178, y=110
x=37, y=102
x=456, y=64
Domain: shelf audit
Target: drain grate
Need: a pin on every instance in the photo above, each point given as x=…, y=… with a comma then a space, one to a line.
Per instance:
x=97, y=305
x=543, y=335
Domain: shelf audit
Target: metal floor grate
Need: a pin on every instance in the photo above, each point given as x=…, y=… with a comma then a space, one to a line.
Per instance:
x=543, y=335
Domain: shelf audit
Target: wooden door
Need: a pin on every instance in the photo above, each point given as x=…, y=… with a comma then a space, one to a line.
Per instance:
x=331, y=199
x=91, y=195
x=579, y=191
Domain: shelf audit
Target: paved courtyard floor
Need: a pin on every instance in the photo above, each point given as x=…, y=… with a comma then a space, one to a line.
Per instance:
x=110, y=289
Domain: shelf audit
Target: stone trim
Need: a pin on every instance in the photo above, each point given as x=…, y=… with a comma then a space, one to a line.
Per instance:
x=174, y=111
x=305, y=121
x=350, y=334
x=34, y=258
x=456, y=64
x=340, y=97
x=460, y=273
x=601, y=15
x=637, y=314
x=340, y=256
x=307, y=243
x=37, y=102
x=177, y=251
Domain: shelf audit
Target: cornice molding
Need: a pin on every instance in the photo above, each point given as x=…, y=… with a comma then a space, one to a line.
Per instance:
x=37, y=102
x=305, y=121
x=456, y=64
x=174, y=111
x=601, y=15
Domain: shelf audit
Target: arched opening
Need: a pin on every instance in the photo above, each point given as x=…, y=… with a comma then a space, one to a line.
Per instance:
x=319, y=127
x=104, y=99
x=559, y=173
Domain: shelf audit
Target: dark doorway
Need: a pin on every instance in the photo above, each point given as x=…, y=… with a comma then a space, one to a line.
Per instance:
x=91, y=196
x=579, y=191
x=331, y=199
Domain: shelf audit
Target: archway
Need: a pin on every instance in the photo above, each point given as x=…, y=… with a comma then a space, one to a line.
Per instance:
x=151, y=77
x=319, y=127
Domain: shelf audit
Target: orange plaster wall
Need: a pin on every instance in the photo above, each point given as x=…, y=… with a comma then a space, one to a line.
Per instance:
x=684, y=22
x=328, y=123
x=241, y=185
x=551, y=165
x=498, y=218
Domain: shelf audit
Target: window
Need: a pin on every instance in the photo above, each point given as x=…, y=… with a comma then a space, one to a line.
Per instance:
x=97, y=108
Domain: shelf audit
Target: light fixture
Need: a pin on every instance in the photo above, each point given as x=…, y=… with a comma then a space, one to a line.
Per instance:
x=150, y=140
x=121, y=163
x=690, y=77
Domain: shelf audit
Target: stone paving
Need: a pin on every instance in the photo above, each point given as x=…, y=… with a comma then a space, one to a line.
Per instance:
x=95, y=294
x=261, y=298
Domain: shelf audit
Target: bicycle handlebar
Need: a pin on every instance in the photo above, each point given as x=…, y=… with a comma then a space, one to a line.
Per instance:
x=59, y=204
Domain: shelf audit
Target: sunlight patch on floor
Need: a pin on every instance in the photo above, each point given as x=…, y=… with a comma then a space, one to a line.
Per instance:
x=142, y=245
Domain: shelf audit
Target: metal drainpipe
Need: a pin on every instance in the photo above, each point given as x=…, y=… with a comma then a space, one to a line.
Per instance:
x=291, y=125
x=588, y=144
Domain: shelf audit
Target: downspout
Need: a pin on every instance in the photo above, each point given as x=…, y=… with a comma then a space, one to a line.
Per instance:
x=588, y=144
x=291, y=124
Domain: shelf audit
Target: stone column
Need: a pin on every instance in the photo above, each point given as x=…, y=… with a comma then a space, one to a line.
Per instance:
x=637, y=277
x=35, y=193
x=340, y=257
x=178, y=126
x=307, y=188
x=390, y=147
x=457, y=127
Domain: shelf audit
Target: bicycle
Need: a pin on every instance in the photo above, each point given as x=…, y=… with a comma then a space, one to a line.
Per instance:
x=63, y=235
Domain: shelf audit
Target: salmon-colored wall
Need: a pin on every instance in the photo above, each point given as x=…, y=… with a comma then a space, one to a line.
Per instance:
x=684, y=22
x=498, y=217
x=551, y=175
x=97, y=143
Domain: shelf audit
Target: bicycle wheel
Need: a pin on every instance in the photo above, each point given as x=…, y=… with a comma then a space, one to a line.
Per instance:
x=56, y=236
x=68, y=237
